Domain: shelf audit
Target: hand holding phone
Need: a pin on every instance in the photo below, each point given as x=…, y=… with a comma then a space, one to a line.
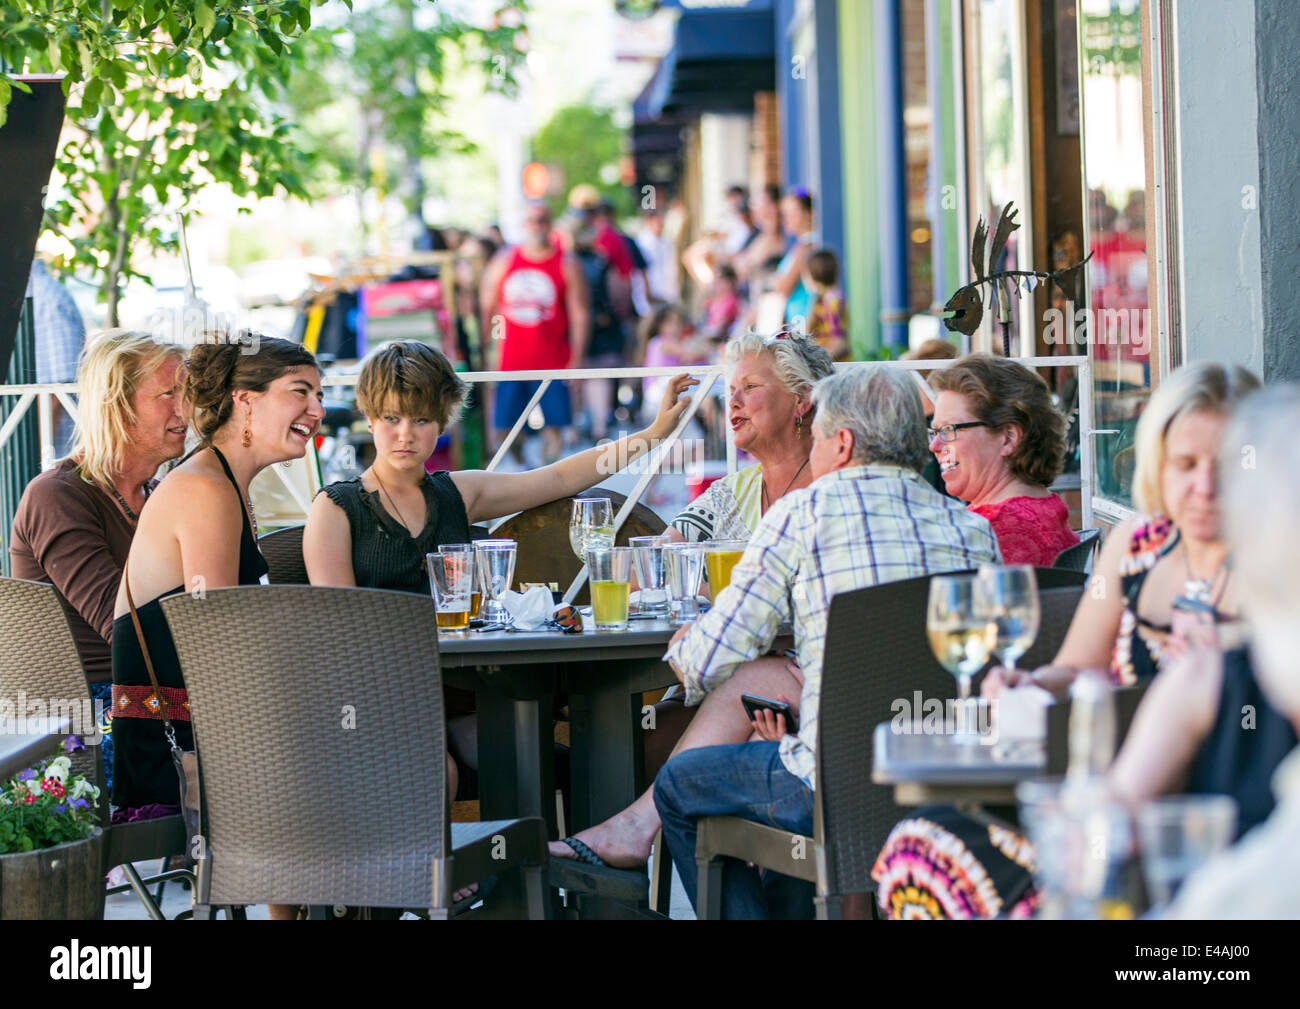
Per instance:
x=754, y=704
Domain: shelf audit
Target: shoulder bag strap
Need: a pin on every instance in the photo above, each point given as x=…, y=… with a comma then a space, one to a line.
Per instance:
x=148, y=660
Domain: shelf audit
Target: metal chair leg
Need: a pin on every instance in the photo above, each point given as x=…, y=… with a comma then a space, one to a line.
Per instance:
x=151, y=905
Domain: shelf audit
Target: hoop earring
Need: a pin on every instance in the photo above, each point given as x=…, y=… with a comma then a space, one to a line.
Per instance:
x=246, y=439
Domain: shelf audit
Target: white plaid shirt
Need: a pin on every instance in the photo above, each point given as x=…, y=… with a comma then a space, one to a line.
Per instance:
x=854, y=527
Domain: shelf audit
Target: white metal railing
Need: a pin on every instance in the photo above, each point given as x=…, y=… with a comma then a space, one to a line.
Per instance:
x=709, y=375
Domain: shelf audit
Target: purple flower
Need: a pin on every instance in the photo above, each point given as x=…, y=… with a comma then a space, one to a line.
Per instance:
x=27, y=775
x=80, y=804
x=61, y=807
x=73, y=743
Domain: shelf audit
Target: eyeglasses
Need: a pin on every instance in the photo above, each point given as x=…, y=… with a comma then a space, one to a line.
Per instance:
x=949, y=431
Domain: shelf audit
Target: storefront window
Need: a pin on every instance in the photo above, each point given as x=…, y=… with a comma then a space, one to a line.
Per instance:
x=1120, y=329
x=1001, y=173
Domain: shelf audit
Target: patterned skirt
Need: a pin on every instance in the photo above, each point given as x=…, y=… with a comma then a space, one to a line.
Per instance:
x=103, y=692
x=945, y=864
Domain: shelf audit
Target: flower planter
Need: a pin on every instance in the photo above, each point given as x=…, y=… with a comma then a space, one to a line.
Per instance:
x=65, y=882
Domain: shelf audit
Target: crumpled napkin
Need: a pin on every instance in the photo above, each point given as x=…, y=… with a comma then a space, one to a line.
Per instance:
x=1022, y=713
x=530, y=610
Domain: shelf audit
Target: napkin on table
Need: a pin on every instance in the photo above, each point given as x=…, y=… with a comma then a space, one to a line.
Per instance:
x=530, y=610
x=1022, y=712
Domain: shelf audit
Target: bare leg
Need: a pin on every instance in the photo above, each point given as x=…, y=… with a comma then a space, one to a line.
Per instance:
x=463, y=731
x=624, y=839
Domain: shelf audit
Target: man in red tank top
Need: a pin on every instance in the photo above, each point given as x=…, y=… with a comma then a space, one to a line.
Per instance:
x=534, y=312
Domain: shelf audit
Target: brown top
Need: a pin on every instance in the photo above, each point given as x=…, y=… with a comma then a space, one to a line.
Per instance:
x=70, y=534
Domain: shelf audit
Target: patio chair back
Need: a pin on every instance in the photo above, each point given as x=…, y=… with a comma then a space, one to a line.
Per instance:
x=1079, y=557
x=543, y=536
x=877, y=654
x=39, y=661
x=318, y=719
x=283, y=552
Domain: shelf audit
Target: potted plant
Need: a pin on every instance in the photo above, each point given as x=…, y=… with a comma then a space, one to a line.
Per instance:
x=50, y=842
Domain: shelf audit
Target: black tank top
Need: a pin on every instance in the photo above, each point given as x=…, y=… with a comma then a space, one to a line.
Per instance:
x=1249, y=739
x=384, y=553
x=143, y=772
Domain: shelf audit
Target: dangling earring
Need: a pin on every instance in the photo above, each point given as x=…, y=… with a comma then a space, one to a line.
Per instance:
x=247, y=438
x=798, y=425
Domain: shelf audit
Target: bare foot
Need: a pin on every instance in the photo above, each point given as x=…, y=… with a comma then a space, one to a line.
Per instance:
x=623, y=841
x=464, y=894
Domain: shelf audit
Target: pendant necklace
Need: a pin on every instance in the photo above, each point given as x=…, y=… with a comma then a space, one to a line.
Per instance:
x=787, y=486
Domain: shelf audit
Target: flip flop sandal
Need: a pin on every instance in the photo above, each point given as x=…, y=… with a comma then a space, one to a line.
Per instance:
x=584, y=853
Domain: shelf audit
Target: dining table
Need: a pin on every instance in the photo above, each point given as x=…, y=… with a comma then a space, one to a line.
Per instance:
x=940, y=768
x=517, y=677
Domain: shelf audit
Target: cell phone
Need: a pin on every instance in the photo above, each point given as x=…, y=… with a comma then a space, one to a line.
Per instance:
x=1194, y=621
x=753, y=704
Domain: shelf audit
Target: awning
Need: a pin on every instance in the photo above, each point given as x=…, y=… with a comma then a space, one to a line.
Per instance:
x=717, y=62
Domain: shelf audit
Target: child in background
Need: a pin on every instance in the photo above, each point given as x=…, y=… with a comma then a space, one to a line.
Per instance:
x=828, y=323
x=665, y=344
x=722, y=305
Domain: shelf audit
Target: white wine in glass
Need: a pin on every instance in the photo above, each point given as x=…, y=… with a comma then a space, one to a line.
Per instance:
x=959, y=636
x=591, y=525
x=1007, y=597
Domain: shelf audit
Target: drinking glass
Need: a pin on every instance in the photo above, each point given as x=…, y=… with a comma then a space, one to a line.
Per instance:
x=959, y=635
x=450, y=582
x=720, y=556
x=648, y=556
x=609, y=569
x=1178, y=835
x=683, y=567
x=1007, y=597
x=591, y=525
x=496, y=565
x=476, y=590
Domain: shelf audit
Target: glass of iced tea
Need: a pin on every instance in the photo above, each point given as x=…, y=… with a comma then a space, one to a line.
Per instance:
x=476, y=589
x=451, y=582
x=610, y=570
x=720, y=556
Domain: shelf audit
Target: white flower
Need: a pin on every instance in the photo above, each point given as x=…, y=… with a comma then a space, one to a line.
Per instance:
x=81, y=788
x=59, y=768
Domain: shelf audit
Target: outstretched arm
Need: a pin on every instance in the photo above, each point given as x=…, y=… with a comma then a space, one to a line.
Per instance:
x=491, y=495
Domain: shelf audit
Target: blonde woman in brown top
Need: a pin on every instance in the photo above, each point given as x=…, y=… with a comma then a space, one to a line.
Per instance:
x=74, y=524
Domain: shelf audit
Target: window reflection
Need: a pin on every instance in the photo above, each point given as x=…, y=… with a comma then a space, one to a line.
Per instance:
x=1119, y=321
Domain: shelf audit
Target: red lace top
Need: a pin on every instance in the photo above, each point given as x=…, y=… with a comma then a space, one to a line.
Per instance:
x=1030, y=530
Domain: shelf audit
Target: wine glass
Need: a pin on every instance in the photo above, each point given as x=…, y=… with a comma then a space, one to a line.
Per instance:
x=496, y=567
x=591, y=525
x=1007, y=598
x=958, y=633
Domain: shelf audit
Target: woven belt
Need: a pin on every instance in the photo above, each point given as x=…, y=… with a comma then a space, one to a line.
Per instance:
x=141, y=702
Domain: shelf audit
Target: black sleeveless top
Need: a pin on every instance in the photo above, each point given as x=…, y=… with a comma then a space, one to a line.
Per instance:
x=384, y=554
x=1249, y=739
x=143, y=772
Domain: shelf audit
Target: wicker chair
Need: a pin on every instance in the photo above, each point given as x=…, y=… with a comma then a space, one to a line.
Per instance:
x=1079, y=557
x=283, y=552
x=319, y=725
x=851, y=816
x=39, y=657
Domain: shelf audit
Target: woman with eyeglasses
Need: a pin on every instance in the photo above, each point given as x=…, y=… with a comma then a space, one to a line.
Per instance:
x=1000, y=443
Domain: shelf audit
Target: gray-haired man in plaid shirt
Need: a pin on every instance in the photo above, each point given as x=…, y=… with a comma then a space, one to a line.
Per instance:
x=868, y=518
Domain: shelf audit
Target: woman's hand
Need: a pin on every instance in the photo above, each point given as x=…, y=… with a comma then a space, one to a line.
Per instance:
x=768, y=724
x=1000, y=678
x=672, y=406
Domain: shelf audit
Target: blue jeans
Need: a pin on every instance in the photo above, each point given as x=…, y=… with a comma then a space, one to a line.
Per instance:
x=746, y=780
